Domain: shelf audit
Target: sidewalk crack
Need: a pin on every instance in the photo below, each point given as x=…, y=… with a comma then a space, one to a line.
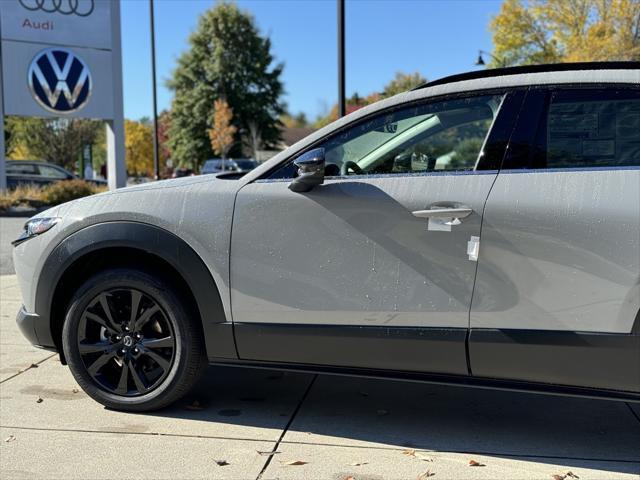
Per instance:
x=286, y=428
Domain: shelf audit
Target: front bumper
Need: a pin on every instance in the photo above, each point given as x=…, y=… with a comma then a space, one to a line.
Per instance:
x=35, y=329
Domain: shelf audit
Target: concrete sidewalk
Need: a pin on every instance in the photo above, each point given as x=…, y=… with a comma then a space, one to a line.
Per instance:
x=251, y=424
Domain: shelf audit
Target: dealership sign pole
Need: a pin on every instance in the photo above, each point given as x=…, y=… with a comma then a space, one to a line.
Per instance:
x=62, y=59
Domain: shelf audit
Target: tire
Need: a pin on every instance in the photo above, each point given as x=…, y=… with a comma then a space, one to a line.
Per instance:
x=160, y=346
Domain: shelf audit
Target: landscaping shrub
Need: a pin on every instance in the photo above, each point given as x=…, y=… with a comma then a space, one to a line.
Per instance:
x=66, y=191
x=53, y=194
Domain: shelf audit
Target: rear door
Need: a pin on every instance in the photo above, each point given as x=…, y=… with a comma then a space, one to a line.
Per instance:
x=351, y=273
x=557, y=295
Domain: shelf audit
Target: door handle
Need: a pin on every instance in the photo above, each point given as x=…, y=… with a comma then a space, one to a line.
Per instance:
x=444, y=212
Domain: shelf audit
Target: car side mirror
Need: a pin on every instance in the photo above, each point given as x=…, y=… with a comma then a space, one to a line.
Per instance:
x=310, y=171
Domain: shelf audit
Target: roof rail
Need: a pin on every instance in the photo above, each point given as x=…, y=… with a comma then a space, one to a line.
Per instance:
x=551, y=67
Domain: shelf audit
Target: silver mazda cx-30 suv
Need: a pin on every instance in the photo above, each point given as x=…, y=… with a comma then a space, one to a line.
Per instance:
x=483, y=229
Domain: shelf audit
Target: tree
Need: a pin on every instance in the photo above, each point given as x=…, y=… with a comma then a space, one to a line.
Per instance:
x=295, y=121
x=550, y=31
x=138, y=144
x=227, y=58
x=402, y=82
x=57, y=140
x=222, y=131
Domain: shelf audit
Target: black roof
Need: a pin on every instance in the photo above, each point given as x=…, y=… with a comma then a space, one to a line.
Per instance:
x=551, y=67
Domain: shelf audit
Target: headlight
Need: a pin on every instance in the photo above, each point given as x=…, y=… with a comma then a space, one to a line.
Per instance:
x=34, y=227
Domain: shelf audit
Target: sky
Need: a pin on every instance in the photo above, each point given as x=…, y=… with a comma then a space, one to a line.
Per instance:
x=433, y=37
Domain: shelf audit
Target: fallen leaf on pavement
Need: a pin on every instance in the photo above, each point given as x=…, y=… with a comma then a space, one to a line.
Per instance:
x=34, y=365
x=10, y=438
x=39, y=400
x=571, y=474
x=473, y=463
x=409, y=452
x=558, y=477
x=349, y=478
x=423, y=456
x=426, y=474
x=358, y=464
x=194, y=406
x=294, y=462
x=267, y=453
x=222, y=463
x=75, y=390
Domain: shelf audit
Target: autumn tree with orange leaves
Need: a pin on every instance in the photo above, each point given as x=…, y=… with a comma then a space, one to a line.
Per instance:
x=222, y=130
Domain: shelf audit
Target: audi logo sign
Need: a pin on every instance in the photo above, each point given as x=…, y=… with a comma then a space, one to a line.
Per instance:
x=81, y=8
x=59, y=80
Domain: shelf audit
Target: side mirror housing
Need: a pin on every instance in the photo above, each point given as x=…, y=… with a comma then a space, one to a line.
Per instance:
x=310, y=171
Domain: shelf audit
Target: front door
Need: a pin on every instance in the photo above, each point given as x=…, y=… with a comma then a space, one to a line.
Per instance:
x=359, y=272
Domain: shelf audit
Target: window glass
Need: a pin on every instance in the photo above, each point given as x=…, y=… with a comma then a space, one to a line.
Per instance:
x=21, y=169
x=52, y=172
x=594, y=128
x=439, y=136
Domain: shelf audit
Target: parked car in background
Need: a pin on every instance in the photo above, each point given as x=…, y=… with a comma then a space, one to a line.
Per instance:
x=216, y=165
x=182, y=172
x=481, y=230
x=40, y=173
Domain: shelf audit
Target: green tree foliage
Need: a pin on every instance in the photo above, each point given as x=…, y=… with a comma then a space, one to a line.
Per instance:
x=550, y=31
x=56, y=140
x=402, y=82
x=227, y=58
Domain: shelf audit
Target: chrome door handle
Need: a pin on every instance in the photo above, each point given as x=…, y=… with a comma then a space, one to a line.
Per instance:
x=436, y=212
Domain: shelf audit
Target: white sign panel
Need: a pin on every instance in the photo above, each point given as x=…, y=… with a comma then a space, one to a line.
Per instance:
x=44, y=81
x=82, y=23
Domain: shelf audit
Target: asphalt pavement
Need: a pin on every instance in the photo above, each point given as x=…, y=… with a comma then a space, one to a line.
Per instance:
x=258, y=424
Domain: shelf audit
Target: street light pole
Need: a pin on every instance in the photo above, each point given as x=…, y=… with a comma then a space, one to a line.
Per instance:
x=341, y=95
x=502, y=62
x=156, y=162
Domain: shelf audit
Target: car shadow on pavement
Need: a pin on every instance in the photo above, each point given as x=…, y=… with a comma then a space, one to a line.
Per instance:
x=372, y=413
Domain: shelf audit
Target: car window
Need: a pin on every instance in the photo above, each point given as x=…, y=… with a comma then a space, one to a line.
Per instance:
x=21, y=169
x=438, y=136
x=589, y=128
x=52, y=172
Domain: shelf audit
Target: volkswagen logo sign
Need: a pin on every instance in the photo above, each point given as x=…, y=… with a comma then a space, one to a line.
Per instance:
x=59, y=80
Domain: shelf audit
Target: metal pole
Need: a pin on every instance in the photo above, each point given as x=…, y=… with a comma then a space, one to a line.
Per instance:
x=156, y=148
x=3, y=172
x=341, y=96
x=116, y=162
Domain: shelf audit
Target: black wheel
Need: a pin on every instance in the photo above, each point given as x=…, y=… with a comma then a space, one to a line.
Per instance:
x=129, y=341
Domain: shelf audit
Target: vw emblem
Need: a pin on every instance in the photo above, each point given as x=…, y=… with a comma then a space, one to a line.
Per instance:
x=59, y=80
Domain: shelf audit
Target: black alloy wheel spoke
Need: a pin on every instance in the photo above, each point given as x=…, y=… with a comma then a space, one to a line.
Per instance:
x=139, y=323
x=101, y=321
x=94, y=347
x=164, y=342
x=123, y=382
x=122, y=350
x=100, y=362
x=136, y=296
x=140, y=384
x=163, y=363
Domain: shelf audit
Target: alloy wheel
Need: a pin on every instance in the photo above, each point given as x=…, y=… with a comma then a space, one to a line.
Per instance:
x=126, y=342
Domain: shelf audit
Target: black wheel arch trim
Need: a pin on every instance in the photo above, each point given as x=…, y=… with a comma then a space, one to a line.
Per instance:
x=153, y=240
